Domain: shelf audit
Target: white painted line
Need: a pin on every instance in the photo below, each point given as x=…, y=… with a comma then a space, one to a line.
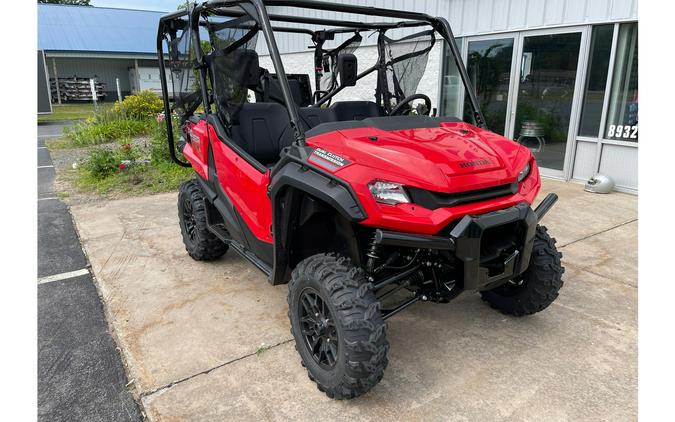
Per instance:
x=48, y=198
x=42, y=147
x=63, y=276
x=48, y=136
x=45, y=167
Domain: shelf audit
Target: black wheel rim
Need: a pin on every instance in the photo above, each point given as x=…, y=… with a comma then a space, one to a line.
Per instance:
x=318, y=329
x=189, y=218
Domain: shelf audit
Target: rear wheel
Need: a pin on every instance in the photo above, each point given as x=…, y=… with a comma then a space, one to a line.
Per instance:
x=200, y=243
x=337, y=325
x=537, y=287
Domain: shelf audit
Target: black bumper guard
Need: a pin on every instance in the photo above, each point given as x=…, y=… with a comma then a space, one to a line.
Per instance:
x=465, y=240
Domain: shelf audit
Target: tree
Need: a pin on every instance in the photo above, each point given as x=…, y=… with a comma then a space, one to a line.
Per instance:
x=71, y=2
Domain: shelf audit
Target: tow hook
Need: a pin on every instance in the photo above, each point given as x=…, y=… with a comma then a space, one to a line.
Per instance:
x=545, y=206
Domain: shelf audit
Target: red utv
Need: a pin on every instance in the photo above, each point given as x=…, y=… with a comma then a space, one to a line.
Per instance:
x=363, y=206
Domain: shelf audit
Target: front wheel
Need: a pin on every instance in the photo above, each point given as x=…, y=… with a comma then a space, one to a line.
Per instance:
x=337, y=325
x=537, y=287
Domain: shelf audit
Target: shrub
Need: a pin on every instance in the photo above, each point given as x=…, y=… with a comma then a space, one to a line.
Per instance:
x=100, y=163
x=143, y=105
x=101, y=171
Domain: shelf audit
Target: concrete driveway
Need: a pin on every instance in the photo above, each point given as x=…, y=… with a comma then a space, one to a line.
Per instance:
x=190, y=331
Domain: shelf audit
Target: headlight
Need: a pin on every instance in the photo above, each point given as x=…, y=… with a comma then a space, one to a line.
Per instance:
x=388, y=192
x=523, y=173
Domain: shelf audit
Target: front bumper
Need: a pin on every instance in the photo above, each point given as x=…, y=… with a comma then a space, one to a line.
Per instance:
x=466, y=237
x=468, y=234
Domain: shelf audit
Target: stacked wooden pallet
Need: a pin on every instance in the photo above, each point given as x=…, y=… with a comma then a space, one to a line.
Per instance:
x=75, y=89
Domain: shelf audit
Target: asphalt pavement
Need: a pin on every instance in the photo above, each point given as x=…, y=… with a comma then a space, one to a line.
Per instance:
x=80, y=373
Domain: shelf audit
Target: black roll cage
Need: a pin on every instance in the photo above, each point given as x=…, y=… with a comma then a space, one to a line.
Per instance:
x=257, y=10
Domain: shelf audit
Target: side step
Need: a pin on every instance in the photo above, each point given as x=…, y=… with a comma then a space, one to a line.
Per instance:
x=221, y=233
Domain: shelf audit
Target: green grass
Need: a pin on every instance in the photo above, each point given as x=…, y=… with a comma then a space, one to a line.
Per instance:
x=141, y=180
x=262, y=349
x=63, y=112
x=88, y=134
x=60, y=143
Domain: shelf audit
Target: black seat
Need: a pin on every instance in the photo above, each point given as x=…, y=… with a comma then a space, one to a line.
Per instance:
x=355, y=110
x=231, y=73
x=339, y=112
x=312, y=116
x=271, y=89
x=263, y=130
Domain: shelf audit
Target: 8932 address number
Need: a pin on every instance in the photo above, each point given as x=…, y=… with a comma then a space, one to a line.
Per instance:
x=622, y=132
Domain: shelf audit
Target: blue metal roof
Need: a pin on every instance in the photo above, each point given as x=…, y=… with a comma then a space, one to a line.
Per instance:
x=97, y=29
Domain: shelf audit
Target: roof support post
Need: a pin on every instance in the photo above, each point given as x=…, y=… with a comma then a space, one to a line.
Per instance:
x=56, y=80
x=137, y=76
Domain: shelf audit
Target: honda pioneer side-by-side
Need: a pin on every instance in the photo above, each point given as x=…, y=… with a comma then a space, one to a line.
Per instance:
x=349, y=185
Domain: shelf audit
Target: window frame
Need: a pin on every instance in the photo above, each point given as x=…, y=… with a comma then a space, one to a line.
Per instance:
x=611, y=93
x=601, y=138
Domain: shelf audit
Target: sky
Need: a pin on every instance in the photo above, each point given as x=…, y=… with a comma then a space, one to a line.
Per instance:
x=159, y=5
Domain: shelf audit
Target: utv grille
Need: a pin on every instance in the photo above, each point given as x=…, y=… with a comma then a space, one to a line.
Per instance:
x=434, y=200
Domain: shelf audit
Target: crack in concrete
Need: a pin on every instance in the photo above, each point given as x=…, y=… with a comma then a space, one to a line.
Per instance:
x=605, y=276
x=124, y=233
x=610, y=324
x=600, y=232
x=589, y=270
x=174, y=383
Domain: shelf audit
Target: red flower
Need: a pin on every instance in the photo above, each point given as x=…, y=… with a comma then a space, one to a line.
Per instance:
x=122, y=166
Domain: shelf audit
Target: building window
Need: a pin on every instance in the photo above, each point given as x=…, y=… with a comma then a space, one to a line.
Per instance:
x=622, y=119
x=596, y=81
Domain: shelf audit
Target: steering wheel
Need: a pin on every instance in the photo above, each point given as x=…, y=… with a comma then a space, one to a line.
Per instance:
x=401, y=107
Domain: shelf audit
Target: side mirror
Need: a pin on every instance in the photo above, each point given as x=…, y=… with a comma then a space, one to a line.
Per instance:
x=347, y=69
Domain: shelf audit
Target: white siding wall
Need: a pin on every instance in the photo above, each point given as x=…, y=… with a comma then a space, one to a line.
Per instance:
x=620, y=163
x=584, y=162
x=473, y=17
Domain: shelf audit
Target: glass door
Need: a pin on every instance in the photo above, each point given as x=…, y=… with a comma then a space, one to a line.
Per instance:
x=545, y=96
x=489, y=63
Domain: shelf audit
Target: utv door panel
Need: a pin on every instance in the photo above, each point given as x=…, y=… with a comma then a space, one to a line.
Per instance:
x=246, y=187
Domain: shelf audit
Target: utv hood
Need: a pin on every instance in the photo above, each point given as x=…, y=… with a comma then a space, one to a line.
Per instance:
x=438, y=154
